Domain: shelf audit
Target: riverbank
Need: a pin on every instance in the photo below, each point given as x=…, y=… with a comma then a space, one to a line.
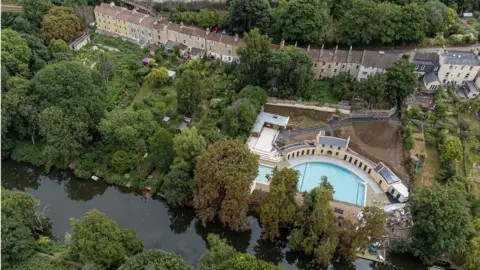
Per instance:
x=158, y=225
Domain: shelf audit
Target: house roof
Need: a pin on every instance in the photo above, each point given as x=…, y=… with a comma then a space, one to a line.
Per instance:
x=387, y=174
x=401, y=188
x=426, y=57
x=264, y=117
x=170, y=44
x=79, y=39
x=108, y=10
x=329, y=140
x=430, y=78
x=461, y=58
x=378, y=59
x=182, y=47
x=130, y=16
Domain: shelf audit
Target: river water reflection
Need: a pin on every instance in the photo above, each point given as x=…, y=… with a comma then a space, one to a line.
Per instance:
x=158, y=225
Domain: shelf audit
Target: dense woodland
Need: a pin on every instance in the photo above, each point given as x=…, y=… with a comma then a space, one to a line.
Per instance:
x=101, y=112
x=348, y=22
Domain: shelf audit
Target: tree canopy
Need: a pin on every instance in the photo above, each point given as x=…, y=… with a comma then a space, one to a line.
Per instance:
x=98, y=240
x=451, y=149
x=188, y=88
x=155, y=259
x=441, y=223
x=316, y=231
x=401, y=81
x=16, y=54
x=223, y=176
x=278, y=208
x=60, y=23
x=372, y=90
x=245, y=15
x=157, y=76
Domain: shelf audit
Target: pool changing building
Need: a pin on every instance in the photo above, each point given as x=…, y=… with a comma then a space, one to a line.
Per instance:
x=266, y=130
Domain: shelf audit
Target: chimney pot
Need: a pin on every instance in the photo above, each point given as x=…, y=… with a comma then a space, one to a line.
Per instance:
x=308, y=48
x=112, y=4
x=236, y=37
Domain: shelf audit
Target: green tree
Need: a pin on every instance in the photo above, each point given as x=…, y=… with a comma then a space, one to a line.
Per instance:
x=189, y=144
x=188, y=88
x=316, y=229
x=252, y=67
x=223, y=176
x=120, y=162
x=441, y=223
x=21, y=24
x=127, y=129
x=472, y=254
x=300, y=20
x=342, y=86
x=278, y=208
x=33, y=10
x=413, y=23
x=60, y=51
x=290, y=70
x=97, y=239
x=105, y=66
x=239, y=118
x=245, y=15
x=451, y=149
x=16, y=54
x=223, y=256
x=155, y=259
x=256, y=95
x=207, y=18
x=363, y=15
x=65, y=136
x=158, y=76
x=160, y=146
x=388, y=15
x=372, y=90
x=177, y=184
x=401, y=81
x=437, y=16
x=60, y=23
x=19, y=221
x=40, y=53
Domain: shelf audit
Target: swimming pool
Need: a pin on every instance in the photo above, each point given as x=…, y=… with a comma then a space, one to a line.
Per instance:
x=263, y=171
x=348, y=187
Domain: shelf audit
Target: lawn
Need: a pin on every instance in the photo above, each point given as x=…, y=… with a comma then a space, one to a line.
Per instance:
x=144, y=92
x=426, y=175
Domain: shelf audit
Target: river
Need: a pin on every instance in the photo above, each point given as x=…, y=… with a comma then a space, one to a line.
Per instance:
x=63, y=196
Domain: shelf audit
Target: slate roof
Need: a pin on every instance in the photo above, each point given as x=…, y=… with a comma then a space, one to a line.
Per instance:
x=472, y=87
x=329, y=140
x=79, y=39
x=375, y=59
x=387, y=174
x=197, y=51
x=461, y=58
x=430, y=78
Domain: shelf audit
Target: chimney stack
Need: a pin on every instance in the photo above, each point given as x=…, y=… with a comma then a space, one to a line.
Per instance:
x=336, y=48
x=155, y=21
x=112, y=4
x=295, y=44
x=308, y=48
x=236, y=37
x=282, y=44
x=207, y=30
x=321, y=50
x=181, y=24
x=134, y=10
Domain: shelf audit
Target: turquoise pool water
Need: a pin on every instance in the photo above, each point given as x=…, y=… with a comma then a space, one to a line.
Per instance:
x=262, y=174
x=348, y=187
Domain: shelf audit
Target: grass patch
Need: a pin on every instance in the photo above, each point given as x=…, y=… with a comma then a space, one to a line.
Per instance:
x=426, y=174
x=37, y=262
x=144, y=92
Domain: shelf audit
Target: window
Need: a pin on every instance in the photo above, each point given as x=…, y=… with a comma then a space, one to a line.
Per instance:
x=350, y=160
x=380, y=183
x=339, y=148
x=308, y=152
x=319, y=76
x=369, y=171
x=358, y=66
x=335, y=70
x=159, y=37
x=355, y=163
x=451, y=67
x=329, y=66
x=288, y=156
x=365, y=167
x=202, y=45
x=323, y=145
x=143, y=33
x=435, y=69
x=321, y=151
x=210, y=47
x=184, y=41
x=315, y=65
x=466, y=76
x=416, y=67
x=322, y=70
x=458, y=75
x=364, y=73
x=323, y=63
x=229, y=52
x=345, y=157
x=303, y=152
x=349, y=71
x=423, y=67
x=313, y=151
x=471, y=68
x=331, y=146
x=360, y=165
x=343, y=66
x=336, y=153
x=150, y=34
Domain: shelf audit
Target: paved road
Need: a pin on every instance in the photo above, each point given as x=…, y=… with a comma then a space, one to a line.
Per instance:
x=12, y=8
x=333, y=124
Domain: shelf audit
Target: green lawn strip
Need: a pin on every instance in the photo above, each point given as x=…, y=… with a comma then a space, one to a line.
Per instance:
x=426, y=175
x=144, y=92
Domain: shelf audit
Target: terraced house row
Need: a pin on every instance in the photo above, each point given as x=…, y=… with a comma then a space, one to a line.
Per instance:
x=145, y=29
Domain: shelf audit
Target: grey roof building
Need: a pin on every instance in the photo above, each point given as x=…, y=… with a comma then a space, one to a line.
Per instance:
x=426, y=62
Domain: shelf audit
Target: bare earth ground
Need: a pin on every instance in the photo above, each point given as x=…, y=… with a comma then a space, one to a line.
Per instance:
x=300, y=118
x=378, y=141
x=306, y=136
